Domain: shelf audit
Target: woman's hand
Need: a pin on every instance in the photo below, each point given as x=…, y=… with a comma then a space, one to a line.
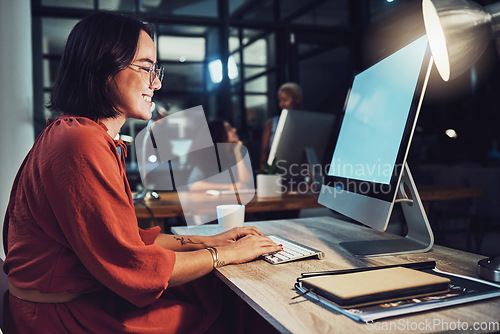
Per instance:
x=246, y=249
x=232, y=235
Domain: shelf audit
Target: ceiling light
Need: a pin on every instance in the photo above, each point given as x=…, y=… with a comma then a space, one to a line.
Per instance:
x=215, y=69
x=232, y=68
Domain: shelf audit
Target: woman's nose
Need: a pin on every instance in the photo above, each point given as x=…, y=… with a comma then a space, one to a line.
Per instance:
x=156, y=84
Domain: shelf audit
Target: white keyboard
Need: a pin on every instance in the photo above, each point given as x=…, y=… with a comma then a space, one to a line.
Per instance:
x=291, y=251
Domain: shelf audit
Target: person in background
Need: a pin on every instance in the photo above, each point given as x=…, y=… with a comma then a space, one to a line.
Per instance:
x=289, y=97
x=76, y=260
x=223, y=132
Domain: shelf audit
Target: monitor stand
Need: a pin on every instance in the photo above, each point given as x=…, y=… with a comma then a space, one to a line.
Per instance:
x=419, y=238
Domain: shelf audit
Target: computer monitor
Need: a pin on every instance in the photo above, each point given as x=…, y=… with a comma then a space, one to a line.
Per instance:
x=300, y=142
x=368, y=168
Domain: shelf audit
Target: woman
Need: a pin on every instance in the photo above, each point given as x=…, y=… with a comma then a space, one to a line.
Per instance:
x=230, y=153
x=289, y=97
x=223, y=132
x=75, y=258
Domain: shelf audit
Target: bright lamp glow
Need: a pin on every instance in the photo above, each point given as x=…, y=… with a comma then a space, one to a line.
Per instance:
x=215, y=69
x=437, y=43
x=458, y=32
x=451, y=133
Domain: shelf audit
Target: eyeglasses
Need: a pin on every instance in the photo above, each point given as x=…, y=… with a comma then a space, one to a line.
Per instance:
x=154, y=72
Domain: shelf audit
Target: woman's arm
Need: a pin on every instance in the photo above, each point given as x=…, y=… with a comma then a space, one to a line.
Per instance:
x=183, y=243
x=193, y=260
x=244, y=174
x=192, y=265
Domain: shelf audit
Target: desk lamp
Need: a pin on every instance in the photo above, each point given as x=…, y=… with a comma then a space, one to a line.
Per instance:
x=458, y=32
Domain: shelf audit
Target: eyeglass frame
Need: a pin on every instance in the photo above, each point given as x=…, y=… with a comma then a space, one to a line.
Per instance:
x=153, y=73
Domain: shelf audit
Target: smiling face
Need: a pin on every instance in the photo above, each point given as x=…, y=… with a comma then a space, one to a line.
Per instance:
x=131, y=90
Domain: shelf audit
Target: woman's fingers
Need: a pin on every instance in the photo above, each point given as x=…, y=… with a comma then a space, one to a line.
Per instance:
x=252, y=230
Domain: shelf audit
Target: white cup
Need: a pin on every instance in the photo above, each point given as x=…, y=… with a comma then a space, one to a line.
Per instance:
x=230, y=216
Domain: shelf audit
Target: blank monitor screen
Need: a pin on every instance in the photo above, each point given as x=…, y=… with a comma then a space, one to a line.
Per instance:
x=297, y=131
x=379, y=118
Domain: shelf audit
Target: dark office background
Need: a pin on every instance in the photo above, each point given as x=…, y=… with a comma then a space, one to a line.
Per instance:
x=319, y=44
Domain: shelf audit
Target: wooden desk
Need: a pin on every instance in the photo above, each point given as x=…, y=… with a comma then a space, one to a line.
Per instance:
x=169, y=205
x=269, y=288
x=442, y=193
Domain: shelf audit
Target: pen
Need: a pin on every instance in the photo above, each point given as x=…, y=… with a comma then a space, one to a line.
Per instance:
x=413, y=265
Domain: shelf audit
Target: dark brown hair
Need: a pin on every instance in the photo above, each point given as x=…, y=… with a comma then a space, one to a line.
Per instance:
x=98, y=47
x=218, y=131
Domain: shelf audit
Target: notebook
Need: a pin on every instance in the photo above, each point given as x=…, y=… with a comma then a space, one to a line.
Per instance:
x=375, y=286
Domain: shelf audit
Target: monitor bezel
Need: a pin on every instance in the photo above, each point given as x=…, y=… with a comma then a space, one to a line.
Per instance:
x=385, y=192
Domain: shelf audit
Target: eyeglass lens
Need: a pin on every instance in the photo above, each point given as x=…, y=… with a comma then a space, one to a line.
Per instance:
x=156, y=72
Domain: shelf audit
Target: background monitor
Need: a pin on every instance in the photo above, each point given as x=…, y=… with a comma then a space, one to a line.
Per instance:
x=369, y=157
x=300, y=142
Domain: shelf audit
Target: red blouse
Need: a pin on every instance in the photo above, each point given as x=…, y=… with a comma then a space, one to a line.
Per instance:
x=73, y=228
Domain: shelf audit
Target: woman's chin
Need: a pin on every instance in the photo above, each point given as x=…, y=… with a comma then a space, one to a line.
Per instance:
x=145, y=115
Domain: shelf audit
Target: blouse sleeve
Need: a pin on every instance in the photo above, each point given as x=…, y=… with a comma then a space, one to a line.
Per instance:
x=149, y=235
x=86, y=187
